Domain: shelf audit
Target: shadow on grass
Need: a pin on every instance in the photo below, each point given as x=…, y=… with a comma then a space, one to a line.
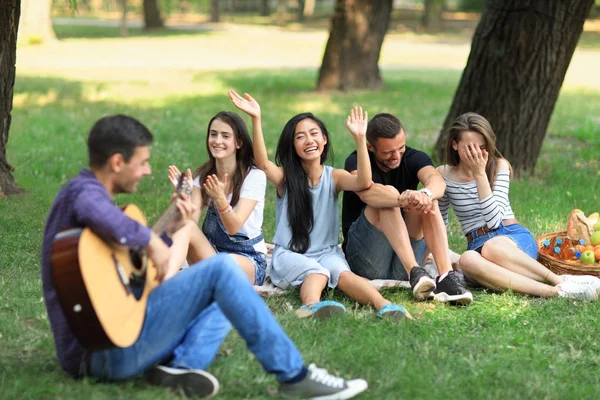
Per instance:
x=112, y=32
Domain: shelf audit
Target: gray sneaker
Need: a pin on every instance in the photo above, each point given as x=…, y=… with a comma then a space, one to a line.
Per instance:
x=193, y=382
x=320, y=385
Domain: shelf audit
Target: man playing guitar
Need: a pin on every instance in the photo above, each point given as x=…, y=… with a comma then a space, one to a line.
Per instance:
x=187, y=316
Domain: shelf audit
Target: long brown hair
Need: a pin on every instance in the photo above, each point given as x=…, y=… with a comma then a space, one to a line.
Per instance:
x=244, y=156
x=475, y=123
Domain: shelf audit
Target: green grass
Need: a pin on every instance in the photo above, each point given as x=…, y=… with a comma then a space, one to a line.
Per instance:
x=107, y=32
x=503, y=346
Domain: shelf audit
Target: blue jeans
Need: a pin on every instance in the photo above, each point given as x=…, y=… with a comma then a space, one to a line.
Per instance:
x=518, y=234
x=222, y=241
x=370, y=255
x=188, y=317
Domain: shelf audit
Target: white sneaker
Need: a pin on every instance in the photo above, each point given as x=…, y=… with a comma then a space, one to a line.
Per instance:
x=584, y=280
x=577, y=291
x=320, y=385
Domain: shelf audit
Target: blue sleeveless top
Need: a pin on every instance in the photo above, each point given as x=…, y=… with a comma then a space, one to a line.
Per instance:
x=326, y=227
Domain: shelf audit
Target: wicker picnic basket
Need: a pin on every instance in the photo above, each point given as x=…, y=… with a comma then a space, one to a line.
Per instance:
x=562, y=267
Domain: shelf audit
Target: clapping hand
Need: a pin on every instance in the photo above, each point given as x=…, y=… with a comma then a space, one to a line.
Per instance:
x=215, y=188
x=175, y=174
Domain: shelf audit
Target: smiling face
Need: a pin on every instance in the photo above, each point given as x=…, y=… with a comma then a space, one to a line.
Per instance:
x=467, y=137
x=388, y=152
x=309, y=140
x=222, y=142
x=129, y=174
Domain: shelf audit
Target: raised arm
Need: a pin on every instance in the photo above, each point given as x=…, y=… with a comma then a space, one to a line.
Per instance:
x=251, y=107
x=344, y=180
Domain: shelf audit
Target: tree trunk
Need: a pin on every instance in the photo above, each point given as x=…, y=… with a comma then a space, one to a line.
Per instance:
x=152, y=18
x=355, y=39
x=35, y=25
x=9, y=22
x=214, y=11
x=432, y=15
x=519, y=56
x=309, y=8
x=264, y=8
x=123, y=25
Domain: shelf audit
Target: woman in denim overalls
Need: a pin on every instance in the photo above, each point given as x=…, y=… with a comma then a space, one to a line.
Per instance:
x=232, y=190
x=501, y=254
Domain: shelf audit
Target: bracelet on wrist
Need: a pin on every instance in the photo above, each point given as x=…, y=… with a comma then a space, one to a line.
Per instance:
x=225, y=209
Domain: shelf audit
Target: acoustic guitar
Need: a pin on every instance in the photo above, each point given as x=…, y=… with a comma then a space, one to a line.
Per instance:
x=103, y=287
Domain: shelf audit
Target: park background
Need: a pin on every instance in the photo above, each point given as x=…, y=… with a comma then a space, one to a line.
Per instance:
x=77, y=62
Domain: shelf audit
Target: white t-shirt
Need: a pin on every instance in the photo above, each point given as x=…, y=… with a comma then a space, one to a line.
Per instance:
x=253, y=188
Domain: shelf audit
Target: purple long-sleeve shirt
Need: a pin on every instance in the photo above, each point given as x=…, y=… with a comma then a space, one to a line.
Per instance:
x=82, y=202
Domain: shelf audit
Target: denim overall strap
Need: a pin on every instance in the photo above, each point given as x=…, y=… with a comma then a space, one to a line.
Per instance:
x=218, y=236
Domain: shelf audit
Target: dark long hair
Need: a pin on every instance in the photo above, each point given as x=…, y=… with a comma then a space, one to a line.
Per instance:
x=244, y=156
x=475, y=123
x=299, y=210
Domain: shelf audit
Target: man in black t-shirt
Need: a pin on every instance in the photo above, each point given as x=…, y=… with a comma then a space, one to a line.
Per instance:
x=389, y=227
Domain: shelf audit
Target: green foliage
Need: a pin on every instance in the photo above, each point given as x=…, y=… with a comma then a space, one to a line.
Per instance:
x=503, y=346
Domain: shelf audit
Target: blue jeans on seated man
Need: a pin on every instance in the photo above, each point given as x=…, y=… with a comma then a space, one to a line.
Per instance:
x=370, y=255
x=189, y=316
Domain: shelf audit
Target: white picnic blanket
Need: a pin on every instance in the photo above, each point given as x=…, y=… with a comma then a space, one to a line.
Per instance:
x=268, y=289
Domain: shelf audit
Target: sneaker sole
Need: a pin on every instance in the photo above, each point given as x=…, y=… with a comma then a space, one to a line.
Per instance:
x=455, y=300
x=327, y=312
x=194, y=383
x=355, y=387
x=423, y=288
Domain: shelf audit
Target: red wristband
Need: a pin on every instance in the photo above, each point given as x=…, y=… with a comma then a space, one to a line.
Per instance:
x=220, y=211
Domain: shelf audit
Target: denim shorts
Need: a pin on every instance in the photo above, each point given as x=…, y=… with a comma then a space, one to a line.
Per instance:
x=370, y=255
x=518, y=234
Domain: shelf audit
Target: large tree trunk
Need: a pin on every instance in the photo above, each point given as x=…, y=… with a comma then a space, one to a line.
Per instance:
x=35, y=25
x=9, y=22
x=432, y=15
x=152, y=18
x=355, y=39
x=519, y=56
x=214, y=11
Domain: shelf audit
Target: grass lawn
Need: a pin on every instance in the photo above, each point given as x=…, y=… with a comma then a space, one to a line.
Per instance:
x=503, y=346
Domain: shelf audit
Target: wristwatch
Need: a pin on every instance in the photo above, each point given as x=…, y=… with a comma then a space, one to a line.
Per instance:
x=427, y=192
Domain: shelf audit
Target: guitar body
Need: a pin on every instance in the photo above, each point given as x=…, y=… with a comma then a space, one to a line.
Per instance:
x=102, y=287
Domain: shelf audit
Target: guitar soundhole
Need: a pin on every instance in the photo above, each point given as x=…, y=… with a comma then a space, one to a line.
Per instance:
x=137, y=279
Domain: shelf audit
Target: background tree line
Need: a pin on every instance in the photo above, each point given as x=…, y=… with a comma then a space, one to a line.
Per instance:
x=520, y=53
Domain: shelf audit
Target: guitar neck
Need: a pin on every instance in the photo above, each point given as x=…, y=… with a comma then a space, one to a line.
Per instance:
x=166, y=219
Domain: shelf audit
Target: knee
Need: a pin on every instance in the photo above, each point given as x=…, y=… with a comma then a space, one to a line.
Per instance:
x=219, y=265
x=495, y=248
x=469, y=260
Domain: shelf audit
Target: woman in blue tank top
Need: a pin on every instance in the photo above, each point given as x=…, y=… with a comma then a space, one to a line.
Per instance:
x=307, y=219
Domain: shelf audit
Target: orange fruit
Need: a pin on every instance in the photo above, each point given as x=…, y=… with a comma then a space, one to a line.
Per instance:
x=589, y=247
x=597, y=254
x=580, y=247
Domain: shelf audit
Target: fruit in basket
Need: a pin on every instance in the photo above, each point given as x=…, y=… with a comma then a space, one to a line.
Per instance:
x=588, y=257
x=595, y=238
x=597, y=254
x=597, y=226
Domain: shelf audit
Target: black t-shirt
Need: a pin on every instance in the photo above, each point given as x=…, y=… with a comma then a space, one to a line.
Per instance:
x=402, y=178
